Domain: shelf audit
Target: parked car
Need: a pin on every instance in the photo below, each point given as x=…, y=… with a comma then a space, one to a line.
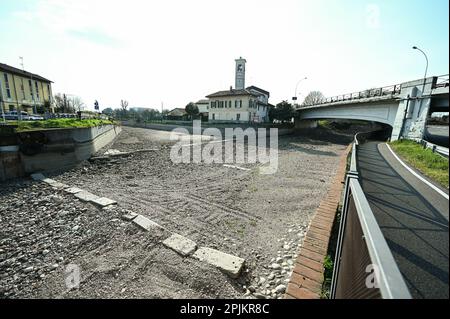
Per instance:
x=35, y=117
x=14, y=116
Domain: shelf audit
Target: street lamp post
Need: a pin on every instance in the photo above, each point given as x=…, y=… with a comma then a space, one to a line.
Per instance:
x=294, y=98
x=426, y=67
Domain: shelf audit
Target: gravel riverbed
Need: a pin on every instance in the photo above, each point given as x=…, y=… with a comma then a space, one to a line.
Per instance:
x=262, y=218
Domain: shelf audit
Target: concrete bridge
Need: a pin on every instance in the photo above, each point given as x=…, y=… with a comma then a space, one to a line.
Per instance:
x=404, y=107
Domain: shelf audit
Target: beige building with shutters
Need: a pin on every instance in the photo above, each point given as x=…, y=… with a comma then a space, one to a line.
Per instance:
x=24, y=91
x=240, y=104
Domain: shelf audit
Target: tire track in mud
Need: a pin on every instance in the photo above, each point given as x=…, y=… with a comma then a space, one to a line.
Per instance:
x=233, y=211
x=167, y=211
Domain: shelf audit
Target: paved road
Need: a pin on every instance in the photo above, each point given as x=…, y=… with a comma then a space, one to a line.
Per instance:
x=437, y=134
x=413, y=218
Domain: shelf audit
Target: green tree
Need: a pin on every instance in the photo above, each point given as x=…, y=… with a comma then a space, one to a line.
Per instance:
x=108, y=111
x=283, y=112
x=272, y=113
x=191, y=109
x=150, y=114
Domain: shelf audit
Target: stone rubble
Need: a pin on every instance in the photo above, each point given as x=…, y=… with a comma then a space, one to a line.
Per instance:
x=272, y=283
x=44, y=229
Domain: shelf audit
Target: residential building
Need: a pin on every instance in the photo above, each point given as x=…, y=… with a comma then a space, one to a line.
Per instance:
x=203, y=106
x=178, y=113
x=25, y=91
x=241, y=104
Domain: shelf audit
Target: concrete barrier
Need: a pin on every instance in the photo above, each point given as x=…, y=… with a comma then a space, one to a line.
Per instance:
x=53, y=149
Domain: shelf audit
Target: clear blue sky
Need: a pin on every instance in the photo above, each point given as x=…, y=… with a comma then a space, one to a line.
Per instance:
x=179, y=51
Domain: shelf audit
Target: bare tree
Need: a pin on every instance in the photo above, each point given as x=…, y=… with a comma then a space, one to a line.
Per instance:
x=313, y=97
x=63, y=104
x=124, y=104
x=59, y=102
x=76, y=103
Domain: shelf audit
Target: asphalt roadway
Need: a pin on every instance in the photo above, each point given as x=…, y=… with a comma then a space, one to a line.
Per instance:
x=413, y=217
x=437, y=134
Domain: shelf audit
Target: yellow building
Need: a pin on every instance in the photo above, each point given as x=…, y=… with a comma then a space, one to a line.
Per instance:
x=24, y=91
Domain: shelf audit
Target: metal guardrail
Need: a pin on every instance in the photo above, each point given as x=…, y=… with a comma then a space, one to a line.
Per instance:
x=390, y=90
x=441, y=81
x=444, y=151
x=364, y=265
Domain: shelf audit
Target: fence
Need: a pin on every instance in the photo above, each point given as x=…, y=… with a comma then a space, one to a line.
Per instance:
x=387, y=91
x=441, y=81
x=364, y=265
x=441, y=150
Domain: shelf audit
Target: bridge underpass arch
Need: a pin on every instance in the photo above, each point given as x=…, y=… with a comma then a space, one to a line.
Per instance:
x=347, y=123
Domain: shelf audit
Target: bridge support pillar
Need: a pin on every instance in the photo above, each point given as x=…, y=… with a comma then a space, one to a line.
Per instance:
x=412, y=110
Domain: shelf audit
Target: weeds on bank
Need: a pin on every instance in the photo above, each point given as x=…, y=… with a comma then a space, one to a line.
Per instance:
x=58, y=123
x=430, y=164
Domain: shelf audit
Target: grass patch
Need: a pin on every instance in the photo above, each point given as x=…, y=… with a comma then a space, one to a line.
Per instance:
x=327, y=277
x=324, y=123
x=430, y=164
x=58, y=123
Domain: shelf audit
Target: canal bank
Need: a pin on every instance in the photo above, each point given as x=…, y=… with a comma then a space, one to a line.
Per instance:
x=23, y=153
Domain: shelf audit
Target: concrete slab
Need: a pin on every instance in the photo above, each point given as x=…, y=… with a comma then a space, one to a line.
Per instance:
x=237, y=167
x=73, y=190
x=112, y=151
x=180, y=244
x=48, y=181
x=37, y=176
x=229, y=264
x=146, y=223
x=56, y=184
x=42, y=178
x=129, y=216
x=86, y=196
x=103, y=201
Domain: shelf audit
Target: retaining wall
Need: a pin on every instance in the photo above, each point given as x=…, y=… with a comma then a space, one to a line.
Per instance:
x=52, y=149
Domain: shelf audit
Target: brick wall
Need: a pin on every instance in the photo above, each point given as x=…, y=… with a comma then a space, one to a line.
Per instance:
x=308, y=274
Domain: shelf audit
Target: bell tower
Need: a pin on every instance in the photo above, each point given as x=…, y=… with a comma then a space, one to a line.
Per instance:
x=239, y=82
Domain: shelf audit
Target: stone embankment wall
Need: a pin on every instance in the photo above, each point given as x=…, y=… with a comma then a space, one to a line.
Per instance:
x=45, y=150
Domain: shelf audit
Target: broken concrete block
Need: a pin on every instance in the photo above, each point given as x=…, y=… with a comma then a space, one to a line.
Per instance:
x=129, y=216
x=73, y=190
x=86, y=196
x=229, y=264
x=37, y=176
x=146, y=223
x=237, y=167
x=103, y=201
x=56, y=184
x=48, y=180
x=109, y=208
x=180, y=244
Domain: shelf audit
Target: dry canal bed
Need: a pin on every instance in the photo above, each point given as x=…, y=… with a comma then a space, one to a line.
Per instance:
x=261, y=218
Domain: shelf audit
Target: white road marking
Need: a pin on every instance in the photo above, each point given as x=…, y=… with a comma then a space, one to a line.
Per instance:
x=417, y=175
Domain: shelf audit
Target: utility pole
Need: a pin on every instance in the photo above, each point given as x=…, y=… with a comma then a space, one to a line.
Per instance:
x=424, y=77
x=162, y=106
x=294, y=98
